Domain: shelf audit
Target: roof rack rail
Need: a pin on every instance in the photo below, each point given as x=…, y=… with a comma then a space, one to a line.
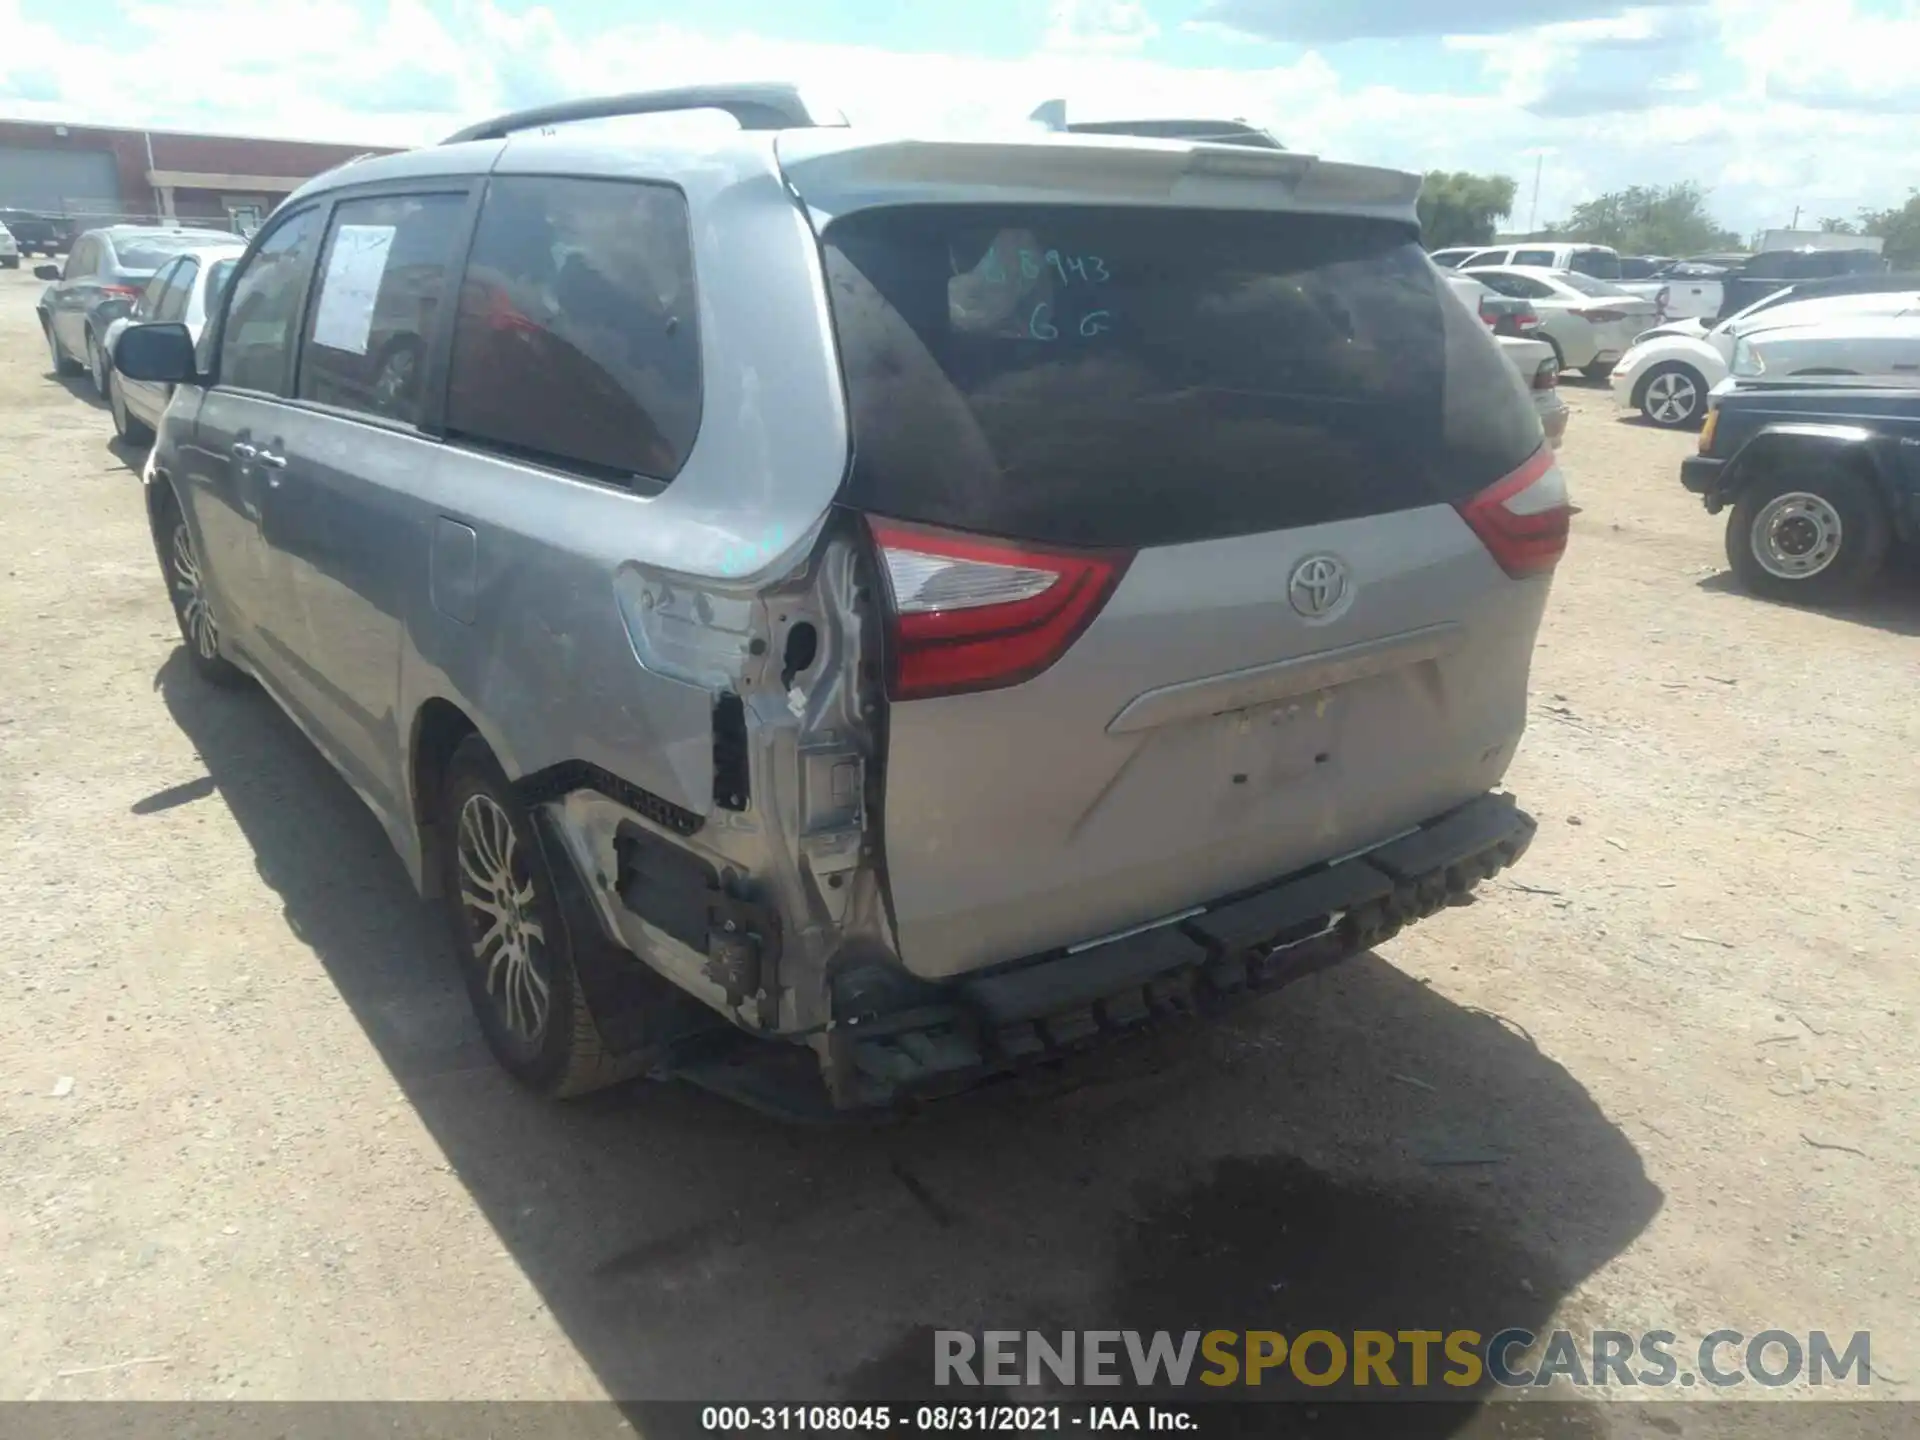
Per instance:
x=756, y=107
x=1053, y=115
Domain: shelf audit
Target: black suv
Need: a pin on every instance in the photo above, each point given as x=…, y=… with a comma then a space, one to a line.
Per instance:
x=41, y=233
x=1823, y=481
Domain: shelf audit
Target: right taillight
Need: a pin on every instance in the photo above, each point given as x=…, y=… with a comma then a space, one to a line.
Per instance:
x=966, y=613
x=1523, y=518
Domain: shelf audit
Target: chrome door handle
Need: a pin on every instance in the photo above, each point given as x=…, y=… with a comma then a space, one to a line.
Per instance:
x=244, y=451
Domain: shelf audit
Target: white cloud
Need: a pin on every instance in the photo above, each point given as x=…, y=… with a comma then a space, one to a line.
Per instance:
x=1726, y=95
x=1099, y=25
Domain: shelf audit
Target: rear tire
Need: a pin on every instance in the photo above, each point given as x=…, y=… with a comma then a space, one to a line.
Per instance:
x=511, y=940
x=61, y=364
x=133, y=431
x=1673, y=396
x=181, y=563
x=1808, y=536
x=96, y=365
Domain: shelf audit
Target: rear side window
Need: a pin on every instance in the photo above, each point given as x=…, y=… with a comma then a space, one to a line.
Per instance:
x=1091, y=376
x=257, y=339
x=381, y=283
x=1533, y=257
x=1601, y=264
x=577, y=342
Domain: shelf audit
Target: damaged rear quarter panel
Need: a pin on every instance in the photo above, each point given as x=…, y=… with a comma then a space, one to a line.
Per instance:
x=547, y=668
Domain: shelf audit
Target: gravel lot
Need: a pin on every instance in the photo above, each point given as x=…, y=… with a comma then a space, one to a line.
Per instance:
x=1662, y=1076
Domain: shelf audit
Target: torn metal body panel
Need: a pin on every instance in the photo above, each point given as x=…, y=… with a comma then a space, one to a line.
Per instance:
x=779, y=888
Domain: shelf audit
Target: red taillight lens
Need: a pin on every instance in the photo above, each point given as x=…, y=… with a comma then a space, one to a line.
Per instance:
x=119, y=292
x=1523, y=519
x=1600, y=317
x=967, y=613
x=1527, y=320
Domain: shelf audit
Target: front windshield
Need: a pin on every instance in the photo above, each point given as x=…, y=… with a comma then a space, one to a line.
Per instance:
x=1726, y=327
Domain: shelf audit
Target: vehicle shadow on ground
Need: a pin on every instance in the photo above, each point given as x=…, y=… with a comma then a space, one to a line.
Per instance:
x=80, y=387
x=133, y=456
x=1357, y=1152
x=1891, y=603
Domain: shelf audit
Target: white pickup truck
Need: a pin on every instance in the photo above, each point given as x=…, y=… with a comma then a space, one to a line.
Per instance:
x=1705, y=290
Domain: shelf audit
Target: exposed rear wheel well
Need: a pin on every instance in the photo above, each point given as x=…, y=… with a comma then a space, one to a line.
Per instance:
x=438, y=730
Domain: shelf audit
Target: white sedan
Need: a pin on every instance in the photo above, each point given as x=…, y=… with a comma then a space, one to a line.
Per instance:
x=185, y=290
x=1590, y=323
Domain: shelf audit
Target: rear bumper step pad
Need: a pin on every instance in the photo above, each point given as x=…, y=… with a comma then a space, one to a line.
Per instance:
x=1252, y=945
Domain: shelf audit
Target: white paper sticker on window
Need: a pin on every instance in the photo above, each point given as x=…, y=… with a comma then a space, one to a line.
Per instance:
x=351, y=287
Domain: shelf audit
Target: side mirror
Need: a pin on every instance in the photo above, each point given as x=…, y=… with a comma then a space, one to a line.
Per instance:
x=46, y=272
x=159, y=353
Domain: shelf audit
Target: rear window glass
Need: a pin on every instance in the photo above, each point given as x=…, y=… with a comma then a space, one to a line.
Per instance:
x=1095, y=376
x=151, y=252
x=1587, y=285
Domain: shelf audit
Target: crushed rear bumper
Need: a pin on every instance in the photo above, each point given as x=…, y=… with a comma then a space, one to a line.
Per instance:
x=1236, y=948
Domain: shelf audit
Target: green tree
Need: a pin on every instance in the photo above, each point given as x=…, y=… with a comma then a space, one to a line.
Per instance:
x=1460, y=208
x=1835, y=225
x=1900, y=229
x=1650, y=220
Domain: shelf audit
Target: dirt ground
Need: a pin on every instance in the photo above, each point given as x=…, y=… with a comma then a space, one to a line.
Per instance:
x=1661, y=1076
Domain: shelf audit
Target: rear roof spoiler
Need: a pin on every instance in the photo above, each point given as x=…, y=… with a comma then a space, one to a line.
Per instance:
x=756, y=107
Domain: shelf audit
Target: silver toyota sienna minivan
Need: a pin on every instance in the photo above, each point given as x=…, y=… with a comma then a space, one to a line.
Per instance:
x=931, y=602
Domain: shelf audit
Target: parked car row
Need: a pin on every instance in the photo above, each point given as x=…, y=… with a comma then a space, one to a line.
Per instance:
x=107, y=275
x=1669, y=371
x=33, y=233
x=705, y=705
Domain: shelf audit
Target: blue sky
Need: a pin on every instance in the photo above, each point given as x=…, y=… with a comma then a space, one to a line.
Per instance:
x=1772, y=103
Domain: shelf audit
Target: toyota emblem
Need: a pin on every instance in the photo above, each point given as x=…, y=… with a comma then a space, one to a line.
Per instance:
x=1320, y=587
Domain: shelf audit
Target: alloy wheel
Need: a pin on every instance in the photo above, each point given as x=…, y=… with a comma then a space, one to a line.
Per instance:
x=509, y=940
x=190, y=596
x=1672, y=398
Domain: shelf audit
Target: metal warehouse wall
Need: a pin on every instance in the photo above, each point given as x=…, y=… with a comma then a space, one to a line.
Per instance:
x=108, y=168
x=58, y=181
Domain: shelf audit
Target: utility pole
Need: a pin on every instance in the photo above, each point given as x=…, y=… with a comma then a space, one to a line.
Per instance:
x=1796, y=219
x=1533, y=212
